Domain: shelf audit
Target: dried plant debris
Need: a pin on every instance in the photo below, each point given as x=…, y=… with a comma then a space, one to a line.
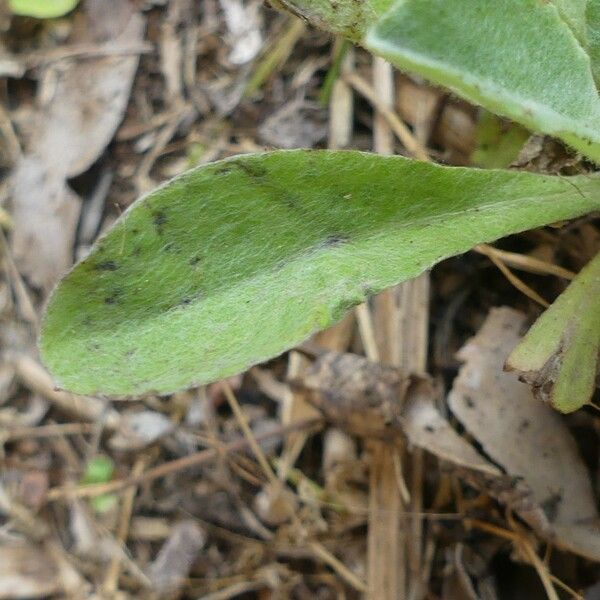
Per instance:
x=527, y=438
x=140, y=429
x=362, y=397
x=27, y=571
x=87, y=101
x=202, y=519
x=176, y=557
x=427, y=428
x=559, y=355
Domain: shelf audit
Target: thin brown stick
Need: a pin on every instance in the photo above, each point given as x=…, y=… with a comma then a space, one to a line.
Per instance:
x=518, y=282
x=337, y=566
x=524, y=262
x=37, y=379
x=50, y=430
x=248, y=434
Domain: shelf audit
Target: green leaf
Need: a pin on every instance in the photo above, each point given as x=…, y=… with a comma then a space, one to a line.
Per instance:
x=42, y=9
x=517, y=58
x=559, y=354
x=98, y=470
x=592, y=17
x=573, y=12
x=236, y=261
x=498, y=142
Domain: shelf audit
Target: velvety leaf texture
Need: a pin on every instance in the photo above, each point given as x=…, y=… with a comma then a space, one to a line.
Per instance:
x=234, y=262
x=524, y=59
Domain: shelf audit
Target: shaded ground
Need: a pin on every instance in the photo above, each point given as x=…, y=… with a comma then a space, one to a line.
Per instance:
x=473, y=493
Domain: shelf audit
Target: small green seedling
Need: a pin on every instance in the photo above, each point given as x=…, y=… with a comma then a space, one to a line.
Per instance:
x=100, y=470
x=42, y=9
x=234, y=262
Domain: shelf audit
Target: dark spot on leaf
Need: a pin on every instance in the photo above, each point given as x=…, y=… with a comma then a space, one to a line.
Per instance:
x=250, y=168
x=107, y=265
x=137, y=250
x=290, y=200
x=469, y=402
x=335, y=240
x=113, y=298
x=159, y=219
x=253, y=169
x=430, y=428
x=194, y=260
x=224, y=169
x=523, y=425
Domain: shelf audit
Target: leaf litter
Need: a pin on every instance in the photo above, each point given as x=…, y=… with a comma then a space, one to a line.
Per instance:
x=206, y=521
x=83, y=105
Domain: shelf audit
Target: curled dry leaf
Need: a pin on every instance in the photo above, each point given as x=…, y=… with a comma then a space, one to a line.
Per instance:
x=526, y=437
x=362, y=397
x=72, y=130
x=559, y=355
x=374, y=400
x=275, y=504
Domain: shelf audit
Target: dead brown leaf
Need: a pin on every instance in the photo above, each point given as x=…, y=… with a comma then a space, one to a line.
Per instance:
x=526, y=437
x=87, y=100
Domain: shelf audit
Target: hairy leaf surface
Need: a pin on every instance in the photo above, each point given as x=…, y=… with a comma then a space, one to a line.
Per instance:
x=535, y=62
x=524, y=59
x=234, y=262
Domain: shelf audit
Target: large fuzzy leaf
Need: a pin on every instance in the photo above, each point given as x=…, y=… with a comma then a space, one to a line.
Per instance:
x=518, y=58
x=236, y=261
x=530, y=60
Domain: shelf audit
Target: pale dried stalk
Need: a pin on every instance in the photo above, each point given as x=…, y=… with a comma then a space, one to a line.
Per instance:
x=386, y=556
x=36, y=378
x=248, y=434
x=518, y=282
x=403, y=133
x=526, y=263
x=337, y=566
